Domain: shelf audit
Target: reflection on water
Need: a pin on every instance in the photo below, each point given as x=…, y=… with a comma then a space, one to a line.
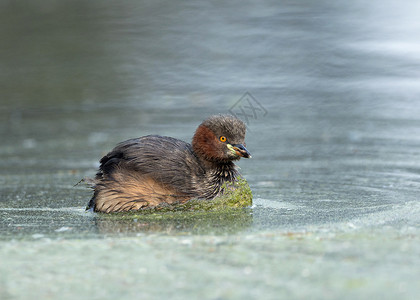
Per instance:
x=176, y=223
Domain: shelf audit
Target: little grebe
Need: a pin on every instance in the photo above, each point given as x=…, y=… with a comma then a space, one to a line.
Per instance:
x=154, y=170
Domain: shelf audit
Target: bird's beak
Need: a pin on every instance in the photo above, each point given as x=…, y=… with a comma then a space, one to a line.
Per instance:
x=241, y=151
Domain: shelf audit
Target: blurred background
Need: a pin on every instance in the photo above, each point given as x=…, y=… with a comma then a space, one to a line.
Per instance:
x=335, y=140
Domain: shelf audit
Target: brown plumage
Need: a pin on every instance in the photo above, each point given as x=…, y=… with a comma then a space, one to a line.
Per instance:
x=155, y=170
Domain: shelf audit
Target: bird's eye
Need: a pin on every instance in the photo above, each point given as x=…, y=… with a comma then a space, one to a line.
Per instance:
x=223, y=138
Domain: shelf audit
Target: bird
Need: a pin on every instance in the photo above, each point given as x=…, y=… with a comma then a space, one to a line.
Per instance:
x=156, y=170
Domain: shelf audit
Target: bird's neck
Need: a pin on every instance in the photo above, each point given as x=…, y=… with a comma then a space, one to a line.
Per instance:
x=217, y=174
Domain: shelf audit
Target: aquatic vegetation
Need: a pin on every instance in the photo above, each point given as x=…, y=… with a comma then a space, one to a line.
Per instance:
x=236, y=195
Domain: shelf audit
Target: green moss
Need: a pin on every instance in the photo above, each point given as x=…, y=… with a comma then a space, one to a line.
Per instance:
x=235, y=195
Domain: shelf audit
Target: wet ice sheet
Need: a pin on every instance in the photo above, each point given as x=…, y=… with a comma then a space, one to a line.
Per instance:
x=293, y=265
x=298, y=249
